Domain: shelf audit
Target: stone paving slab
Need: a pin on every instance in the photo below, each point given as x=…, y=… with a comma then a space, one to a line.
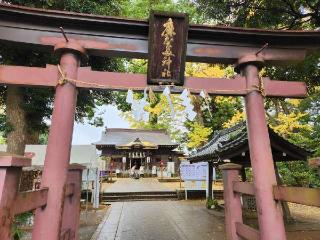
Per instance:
x=135, y=185
x=160, y=220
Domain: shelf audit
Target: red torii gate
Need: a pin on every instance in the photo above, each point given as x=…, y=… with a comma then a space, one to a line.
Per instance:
x=127, y=38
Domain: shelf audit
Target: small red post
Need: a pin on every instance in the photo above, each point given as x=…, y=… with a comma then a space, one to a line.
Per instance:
x=10, y=172
x=232, y=202
x=271, y=225
x=48, y=220
x=71, y=208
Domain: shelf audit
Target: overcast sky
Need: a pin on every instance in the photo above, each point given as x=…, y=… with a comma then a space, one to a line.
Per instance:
x=87, y=134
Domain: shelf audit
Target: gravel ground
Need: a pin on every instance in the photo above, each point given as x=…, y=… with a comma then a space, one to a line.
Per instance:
x=305, y=213
x=89, y=221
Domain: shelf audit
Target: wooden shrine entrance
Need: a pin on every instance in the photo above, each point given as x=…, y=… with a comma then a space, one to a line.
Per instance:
x=104, y=36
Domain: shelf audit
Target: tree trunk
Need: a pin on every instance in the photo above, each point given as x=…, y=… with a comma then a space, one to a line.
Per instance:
x=197, y=108
x=16, y=138
x=33, y=137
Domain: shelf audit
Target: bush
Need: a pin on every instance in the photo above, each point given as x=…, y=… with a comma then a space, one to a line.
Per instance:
x=212, y=203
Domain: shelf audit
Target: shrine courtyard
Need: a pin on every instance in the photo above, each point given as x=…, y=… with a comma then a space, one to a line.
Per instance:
x=166, y=220
x=160, y=220
x=172, y=219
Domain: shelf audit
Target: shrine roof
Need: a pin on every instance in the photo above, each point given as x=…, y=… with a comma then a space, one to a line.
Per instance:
x=232, y=144
x=138, y=144
x=120, y=137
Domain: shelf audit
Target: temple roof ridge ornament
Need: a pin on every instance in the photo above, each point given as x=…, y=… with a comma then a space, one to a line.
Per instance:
x=137, y=143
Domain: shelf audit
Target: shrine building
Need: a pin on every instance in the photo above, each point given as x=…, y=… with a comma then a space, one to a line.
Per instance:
x=231, y=145
x=138, y=147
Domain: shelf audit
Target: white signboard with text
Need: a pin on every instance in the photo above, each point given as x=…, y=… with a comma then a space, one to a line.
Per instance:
x=196, y=171
x=195, y=176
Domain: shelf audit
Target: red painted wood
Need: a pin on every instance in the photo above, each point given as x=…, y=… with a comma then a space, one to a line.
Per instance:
x=217, y=86
x=271, y=224
x=48, y=220
x=306, y=196
x=243, y=187
x=247, y=232
x=27, y=201
x=109, y=36
x=33, y=76
x=122, y=81
x=125, y=81
x=232, y=202
x=10, y=160
x=113, y=46
x=219, y=53
x=69, y=189
x=112, y=80
x=71, y=207
x=10, y=172
x=9, y=182
x=285, y=88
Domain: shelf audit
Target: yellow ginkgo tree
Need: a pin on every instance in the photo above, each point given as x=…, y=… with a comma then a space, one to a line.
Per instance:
x=198, y=135
x=211, y=114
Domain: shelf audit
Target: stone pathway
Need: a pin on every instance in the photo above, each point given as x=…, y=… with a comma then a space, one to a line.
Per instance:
x=168, y=220
x=135, y=185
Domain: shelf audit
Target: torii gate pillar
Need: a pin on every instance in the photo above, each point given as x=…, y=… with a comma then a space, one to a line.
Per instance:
x=271, y=225
x=48, y=220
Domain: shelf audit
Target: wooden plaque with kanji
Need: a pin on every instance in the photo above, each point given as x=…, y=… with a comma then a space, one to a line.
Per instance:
x=167, y=48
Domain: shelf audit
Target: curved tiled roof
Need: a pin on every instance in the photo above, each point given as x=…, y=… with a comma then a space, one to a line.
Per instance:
x=121, y=137
x=138, y=143
x=231, y=142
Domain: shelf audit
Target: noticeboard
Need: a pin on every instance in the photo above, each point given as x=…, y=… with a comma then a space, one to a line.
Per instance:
x=196, y=171
x=195, y=185
x=195, y=176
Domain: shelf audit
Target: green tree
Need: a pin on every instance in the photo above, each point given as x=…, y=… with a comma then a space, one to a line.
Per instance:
x=140, y=9
x=27, y=109
x=2, y=140
x=198, y=135
x=213, y=112
x=274, y=14
x=304, y=128
x=160, y=117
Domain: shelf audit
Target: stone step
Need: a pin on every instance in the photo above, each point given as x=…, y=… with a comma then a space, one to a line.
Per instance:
x=139, y=199
x=138, y=193
x=139, y=196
